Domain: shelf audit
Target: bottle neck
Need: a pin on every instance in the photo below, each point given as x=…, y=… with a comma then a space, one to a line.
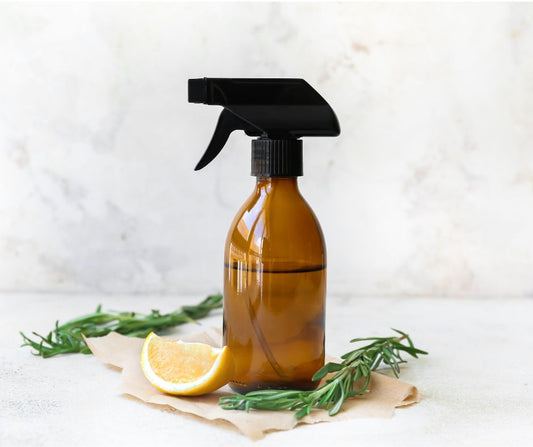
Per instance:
x=271, y=184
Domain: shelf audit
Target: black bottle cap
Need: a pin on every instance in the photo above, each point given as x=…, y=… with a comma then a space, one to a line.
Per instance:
x=279, y=111
x=277, y=158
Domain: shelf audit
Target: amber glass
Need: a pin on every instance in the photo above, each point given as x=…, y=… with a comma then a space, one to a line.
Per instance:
x=274, y=289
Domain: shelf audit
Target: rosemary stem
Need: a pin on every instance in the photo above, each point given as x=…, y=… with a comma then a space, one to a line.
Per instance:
x=68, y=337
x=343, y=384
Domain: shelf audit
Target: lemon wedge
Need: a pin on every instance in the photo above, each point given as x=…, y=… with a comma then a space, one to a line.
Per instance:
x=187, y=369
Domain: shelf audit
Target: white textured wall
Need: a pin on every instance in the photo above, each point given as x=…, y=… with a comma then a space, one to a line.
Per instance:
x=428, y=191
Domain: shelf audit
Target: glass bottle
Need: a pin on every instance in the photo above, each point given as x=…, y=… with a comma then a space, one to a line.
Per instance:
x=274, y=289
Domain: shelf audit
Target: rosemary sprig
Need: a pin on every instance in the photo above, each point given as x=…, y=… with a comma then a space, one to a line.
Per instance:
x=356, y=366
x=68, y=337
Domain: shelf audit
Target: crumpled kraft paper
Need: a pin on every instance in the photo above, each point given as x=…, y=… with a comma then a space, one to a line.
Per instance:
x=125, y=353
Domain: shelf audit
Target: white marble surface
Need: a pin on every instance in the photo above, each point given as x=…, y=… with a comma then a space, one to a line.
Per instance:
x=428, y=191
x=475, y=385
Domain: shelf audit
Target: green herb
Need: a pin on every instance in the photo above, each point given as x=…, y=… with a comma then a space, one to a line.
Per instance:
x=68, y=337
x=352, y=378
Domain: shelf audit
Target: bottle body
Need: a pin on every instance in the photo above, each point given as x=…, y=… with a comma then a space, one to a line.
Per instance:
x=274, y=289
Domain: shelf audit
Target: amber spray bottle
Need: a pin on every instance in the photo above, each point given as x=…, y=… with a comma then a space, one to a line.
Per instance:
x=275, y=256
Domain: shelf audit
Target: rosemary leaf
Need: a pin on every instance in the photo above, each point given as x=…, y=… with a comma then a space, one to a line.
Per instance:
x=68, y=337
x=355, y=365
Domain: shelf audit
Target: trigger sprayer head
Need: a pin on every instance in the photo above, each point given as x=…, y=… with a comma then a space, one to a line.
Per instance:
x=278, y=111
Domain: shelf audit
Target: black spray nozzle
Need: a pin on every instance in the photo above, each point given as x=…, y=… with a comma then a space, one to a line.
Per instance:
x=271, y=108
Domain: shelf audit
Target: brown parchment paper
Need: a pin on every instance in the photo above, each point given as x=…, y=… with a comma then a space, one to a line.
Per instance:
x=125, y=353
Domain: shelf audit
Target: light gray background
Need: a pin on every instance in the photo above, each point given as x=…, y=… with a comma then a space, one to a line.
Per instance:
x=428, y=190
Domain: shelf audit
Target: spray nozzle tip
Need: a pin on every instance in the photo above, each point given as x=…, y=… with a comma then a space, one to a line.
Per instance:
x=198, y=91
